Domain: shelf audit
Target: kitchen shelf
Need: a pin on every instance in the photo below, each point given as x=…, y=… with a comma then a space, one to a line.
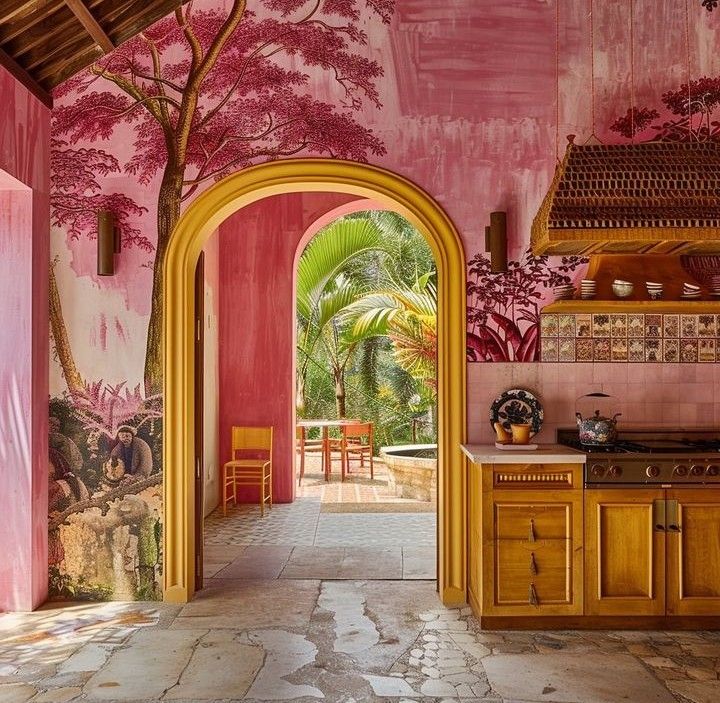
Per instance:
x=688, y=307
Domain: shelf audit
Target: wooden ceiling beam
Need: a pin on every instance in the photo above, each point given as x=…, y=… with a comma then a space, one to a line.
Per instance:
x=54, y=73
x=62, y=46
x=9, y=29
x=21, y=75
x=87, y=19
x=16, y=41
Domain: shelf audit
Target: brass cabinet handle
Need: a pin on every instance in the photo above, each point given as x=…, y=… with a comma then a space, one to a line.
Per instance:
x=659, y=515
x=531, y=536
x=533, y=563
x=673, y=516
x=533, y=598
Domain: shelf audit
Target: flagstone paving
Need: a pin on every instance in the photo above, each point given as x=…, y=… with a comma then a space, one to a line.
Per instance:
x=339, y=641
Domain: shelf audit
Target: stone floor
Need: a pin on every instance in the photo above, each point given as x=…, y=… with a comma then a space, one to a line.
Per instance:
x=337, y=641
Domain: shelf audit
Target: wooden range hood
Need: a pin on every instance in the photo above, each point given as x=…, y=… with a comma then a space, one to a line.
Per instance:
x=645, y=198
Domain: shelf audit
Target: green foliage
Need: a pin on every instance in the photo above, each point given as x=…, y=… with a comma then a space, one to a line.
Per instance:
x=367, y=308
x=62, y=586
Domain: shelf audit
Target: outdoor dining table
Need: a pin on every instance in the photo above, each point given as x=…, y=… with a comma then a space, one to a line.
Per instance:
x=325, y=425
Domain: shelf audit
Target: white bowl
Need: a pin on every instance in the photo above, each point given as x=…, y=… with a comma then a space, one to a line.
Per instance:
x=620, y=282
x=622, y=289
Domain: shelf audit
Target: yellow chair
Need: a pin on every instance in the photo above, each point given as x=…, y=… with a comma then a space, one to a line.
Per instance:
x=250, y=471
x=308, y=446
x=357, y=439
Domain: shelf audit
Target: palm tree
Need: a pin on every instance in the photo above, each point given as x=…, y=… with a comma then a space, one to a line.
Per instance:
x=329, y=280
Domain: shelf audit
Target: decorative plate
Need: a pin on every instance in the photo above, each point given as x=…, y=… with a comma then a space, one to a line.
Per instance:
x=517, y=406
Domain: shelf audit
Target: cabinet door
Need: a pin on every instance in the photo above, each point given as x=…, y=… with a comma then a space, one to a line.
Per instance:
x=624, y=552
x=532, y=553
x=693, y=551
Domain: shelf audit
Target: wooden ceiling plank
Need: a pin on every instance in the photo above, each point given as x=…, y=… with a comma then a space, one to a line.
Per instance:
x=11, y=29
x=129, y=27
x=87, y=19
x=21, y=75
x=62, y=46
x=56, y=72
x=19, y=43
x=12, y=8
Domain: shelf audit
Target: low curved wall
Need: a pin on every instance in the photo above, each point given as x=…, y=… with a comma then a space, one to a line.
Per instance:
x=412, y=470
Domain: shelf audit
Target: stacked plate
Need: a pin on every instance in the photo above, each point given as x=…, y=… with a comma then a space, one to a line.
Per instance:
x=655, y=290
x=588, y=288
x=715, y=286
x=564, y=292
x=690, y=291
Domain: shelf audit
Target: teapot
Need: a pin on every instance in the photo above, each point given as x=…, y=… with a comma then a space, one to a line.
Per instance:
x=597, y=429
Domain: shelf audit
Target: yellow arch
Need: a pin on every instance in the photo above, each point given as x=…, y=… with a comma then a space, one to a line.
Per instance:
x=198, y=222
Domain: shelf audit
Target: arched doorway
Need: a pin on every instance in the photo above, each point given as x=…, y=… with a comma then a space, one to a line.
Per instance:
x=199, y=221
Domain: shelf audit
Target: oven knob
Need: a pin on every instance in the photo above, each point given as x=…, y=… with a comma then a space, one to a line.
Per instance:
x=680, y=470
x=652, y=471
x=712, y=470
x=697, y=470
x=615, y=471
x=597, y=470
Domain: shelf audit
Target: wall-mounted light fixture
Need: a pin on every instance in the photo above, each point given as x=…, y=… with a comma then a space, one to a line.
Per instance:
x=496, y=241
x=108, y=243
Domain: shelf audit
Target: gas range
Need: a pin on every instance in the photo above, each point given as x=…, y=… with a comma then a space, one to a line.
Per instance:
x=643, y=457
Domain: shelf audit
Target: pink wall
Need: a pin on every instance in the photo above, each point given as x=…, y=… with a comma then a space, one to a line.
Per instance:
x=24, y=354
x=257, y=317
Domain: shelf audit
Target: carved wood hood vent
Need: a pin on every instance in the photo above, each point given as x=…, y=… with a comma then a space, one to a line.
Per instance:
x=652, y=197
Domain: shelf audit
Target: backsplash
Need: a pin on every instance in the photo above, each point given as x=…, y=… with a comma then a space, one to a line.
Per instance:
x=630, y=337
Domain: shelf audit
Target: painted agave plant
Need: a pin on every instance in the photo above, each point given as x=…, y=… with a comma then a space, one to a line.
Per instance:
x=504, y=308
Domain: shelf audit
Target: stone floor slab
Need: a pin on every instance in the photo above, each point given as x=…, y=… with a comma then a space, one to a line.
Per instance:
x=697, y=691
x=573, y=678
x=419, y=563
x=314, y=563
x=16, y=692
x=372, y=563
x=257, y=562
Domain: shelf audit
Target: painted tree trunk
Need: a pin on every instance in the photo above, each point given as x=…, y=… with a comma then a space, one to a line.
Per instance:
x=72, y=376
x=168, y=214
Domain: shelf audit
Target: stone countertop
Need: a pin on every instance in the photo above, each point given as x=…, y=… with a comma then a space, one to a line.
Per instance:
x=544, y=454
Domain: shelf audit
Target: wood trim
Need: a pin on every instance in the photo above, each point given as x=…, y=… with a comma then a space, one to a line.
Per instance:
x=589, y=622
x=91, y=25
x=688, y=307
x=21, y=75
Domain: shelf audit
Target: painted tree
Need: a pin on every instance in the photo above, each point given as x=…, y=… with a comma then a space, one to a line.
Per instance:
x=210, y=92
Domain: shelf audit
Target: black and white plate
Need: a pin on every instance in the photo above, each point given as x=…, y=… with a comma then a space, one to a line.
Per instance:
x=517, y=406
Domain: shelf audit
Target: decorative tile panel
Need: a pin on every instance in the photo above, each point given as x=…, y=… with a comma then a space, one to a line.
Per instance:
x=630, y=337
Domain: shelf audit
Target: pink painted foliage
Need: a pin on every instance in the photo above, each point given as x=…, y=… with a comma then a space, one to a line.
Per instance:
x=251, y=105
x=76, y=194
x=504, y=308
x=103, y=408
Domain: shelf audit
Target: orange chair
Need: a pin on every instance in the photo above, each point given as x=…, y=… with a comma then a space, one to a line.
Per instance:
x=251, y=471
x=335, y=443
x=308, y=446
x=356, y=441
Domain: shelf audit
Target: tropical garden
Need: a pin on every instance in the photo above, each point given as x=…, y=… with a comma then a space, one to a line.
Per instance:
x=366, y=327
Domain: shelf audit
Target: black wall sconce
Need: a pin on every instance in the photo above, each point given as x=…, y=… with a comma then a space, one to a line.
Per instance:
x=108, y=243
x=496, y=242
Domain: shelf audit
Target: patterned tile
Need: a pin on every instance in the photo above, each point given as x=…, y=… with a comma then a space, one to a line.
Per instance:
x=688, y=350
x=671, y=350
x=601, y=325
x=636, y=324
x=671, y=325
x=566, y=350
x=549, y=349
x=566, y=325
x=706, y=350
x=707, y=326
x=618, y=325
x=583, y=350
x=619, y=349
x=601, y=349
x=653, y=351
x=653, y=325
x=583, y=325
x=636, y=350
x=688, y=326
x=549, y=325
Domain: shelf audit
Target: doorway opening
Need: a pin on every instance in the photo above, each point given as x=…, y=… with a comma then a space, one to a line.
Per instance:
x=203, y=217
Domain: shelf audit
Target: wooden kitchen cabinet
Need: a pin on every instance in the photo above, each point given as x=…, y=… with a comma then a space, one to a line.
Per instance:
x=624, y=552
x=693, y=551
x=531, y=551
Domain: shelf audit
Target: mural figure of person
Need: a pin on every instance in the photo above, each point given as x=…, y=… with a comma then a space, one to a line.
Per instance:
x=65, y=446
x=133, y=451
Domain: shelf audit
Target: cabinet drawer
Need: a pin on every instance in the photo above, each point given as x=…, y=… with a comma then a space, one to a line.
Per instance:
x=523, y=567
x=533, y=522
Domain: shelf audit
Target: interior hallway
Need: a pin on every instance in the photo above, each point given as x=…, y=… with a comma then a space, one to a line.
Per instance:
x=339, y=641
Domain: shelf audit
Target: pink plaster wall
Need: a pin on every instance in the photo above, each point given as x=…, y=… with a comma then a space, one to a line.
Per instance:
x=257, y=317
x=24, y=261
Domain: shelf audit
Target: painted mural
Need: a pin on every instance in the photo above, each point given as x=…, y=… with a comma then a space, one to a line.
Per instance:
x=471, y=100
